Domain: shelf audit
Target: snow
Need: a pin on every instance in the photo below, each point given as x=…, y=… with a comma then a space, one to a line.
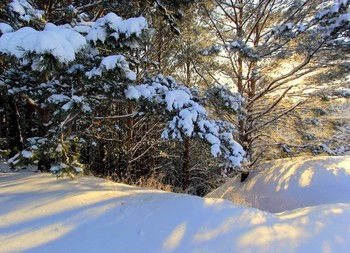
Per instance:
x=85, y=29
x=5, y=28
x=215, y=141
x=58, y=98
x=40, y=213
x=176, y=99
x=327, y=149
x=63, y=43
x=190, y=119
x=59, y=148
x=68, y=106
x=114, y=26
x=288, y=184
x=25, y=11
x=76, y=41
x=132, y=26
x=17, y=7
x=4, y=167
x=57, y=168
x=230, y=99
x=235, y=44
x=334, y=14
x=27, y=154
x=69, y=102
x=110, y=63
x=132, y=93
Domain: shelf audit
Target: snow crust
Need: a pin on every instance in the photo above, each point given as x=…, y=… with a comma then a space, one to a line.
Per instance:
x=42, y=214
x=288, y=184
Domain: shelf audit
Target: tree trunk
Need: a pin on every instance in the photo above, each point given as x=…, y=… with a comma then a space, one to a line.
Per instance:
x=186, y=164
x=15, y=131
x=186, y=154
x=29, y=115
x=130, y=133
x=2, y=116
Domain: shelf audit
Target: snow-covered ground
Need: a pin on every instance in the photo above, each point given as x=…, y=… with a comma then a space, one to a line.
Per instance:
x=287, y=184
x=39, y=213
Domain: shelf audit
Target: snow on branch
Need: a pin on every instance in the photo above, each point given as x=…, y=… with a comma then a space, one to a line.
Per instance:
x=5, y=28
x=187, y=118
x=25, y=11
x=226, y=98
x=64, y=42
x=113, y=26
x=333, y=18
x=113, y=62
x=60, y=42
x=330, y=20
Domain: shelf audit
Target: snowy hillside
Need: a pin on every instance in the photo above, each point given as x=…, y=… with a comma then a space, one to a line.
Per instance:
x=42, y=214
x=288, y=184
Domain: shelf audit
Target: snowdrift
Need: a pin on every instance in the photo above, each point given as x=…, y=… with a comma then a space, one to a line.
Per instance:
x=39, y=213
x=288, y=184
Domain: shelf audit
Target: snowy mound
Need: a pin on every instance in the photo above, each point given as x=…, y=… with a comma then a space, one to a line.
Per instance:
x=288, y=184
x=41, y=214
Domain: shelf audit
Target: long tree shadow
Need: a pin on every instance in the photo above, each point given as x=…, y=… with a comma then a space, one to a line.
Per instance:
x=125, y=219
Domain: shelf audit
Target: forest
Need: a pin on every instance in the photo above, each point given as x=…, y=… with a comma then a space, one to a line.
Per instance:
x=176, y=95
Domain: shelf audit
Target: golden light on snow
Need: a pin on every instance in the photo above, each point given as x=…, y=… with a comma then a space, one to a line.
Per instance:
x=304, y=181
x=80, y=201
x=209, y=233
x=283, y=235
x=306, y=178
x=175, y=237
x=41, y=214
x=31, y=238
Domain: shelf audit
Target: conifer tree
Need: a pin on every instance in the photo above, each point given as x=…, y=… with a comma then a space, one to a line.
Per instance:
x=266, y=47
x=78, y=81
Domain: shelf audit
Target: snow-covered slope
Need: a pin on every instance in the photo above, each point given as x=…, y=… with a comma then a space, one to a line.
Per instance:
x=288, y=184
x=39, y=213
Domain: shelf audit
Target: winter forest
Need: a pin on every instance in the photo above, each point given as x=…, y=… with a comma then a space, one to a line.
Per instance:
x=178, y=94
x=181, y=96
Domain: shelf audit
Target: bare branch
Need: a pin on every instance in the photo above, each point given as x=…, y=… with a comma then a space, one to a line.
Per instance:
x=118, y=116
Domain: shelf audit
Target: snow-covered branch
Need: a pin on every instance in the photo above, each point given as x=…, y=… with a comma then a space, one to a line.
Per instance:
x=187, y=118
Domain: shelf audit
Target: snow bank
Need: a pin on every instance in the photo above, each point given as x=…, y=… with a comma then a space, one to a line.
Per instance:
x=42, y=214
x=288, y=184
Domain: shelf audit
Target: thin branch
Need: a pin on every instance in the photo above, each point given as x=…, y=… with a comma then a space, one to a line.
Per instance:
x=273, y=105
x=118, y=116
x=275, y=118
x=141, y=155
x=84, y=6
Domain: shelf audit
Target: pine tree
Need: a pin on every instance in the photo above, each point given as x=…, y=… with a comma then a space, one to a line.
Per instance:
x=79, y=99
x=266, y=47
